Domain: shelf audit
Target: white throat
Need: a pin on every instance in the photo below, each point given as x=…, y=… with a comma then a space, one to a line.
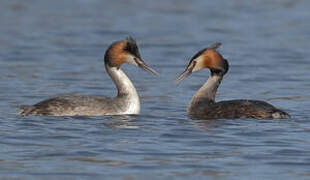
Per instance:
x=208, y=91
x=127, y=93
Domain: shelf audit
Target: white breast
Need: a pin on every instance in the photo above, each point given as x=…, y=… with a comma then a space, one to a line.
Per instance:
x=133, y=106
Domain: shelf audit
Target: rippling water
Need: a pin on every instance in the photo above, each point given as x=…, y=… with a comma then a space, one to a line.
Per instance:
x=55, y=47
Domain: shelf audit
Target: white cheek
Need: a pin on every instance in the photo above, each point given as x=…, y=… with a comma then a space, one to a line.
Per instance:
x=131, y=59
x=199, y=64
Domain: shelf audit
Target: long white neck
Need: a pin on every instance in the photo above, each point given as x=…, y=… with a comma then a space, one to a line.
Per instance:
x=207, y=92
x=126, y=90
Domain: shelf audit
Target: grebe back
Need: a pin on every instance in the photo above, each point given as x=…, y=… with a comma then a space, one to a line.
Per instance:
x=203, y=104
x=126, y=102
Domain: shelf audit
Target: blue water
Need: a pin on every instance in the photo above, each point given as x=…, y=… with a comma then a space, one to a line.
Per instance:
x=56, y=47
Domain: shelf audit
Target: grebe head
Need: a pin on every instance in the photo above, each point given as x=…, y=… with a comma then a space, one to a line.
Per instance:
x=126, y=51
x=206, y=58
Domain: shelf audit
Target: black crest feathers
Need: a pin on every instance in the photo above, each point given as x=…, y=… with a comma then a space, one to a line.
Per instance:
x=131, y=46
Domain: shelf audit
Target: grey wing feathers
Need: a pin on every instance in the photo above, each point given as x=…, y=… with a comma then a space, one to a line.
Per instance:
x=239, y=109
x=68, y=105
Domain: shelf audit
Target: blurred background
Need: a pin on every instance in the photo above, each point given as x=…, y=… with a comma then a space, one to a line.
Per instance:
x=56, y=47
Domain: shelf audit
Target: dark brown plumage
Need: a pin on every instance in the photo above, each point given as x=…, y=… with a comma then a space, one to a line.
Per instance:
x=236, y=109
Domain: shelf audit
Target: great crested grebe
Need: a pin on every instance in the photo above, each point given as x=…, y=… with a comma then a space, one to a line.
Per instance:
x=126, y=101
x=203, y=104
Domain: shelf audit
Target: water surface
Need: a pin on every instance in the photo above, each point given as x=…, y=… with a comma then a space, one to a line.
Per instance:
x=56, y=47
